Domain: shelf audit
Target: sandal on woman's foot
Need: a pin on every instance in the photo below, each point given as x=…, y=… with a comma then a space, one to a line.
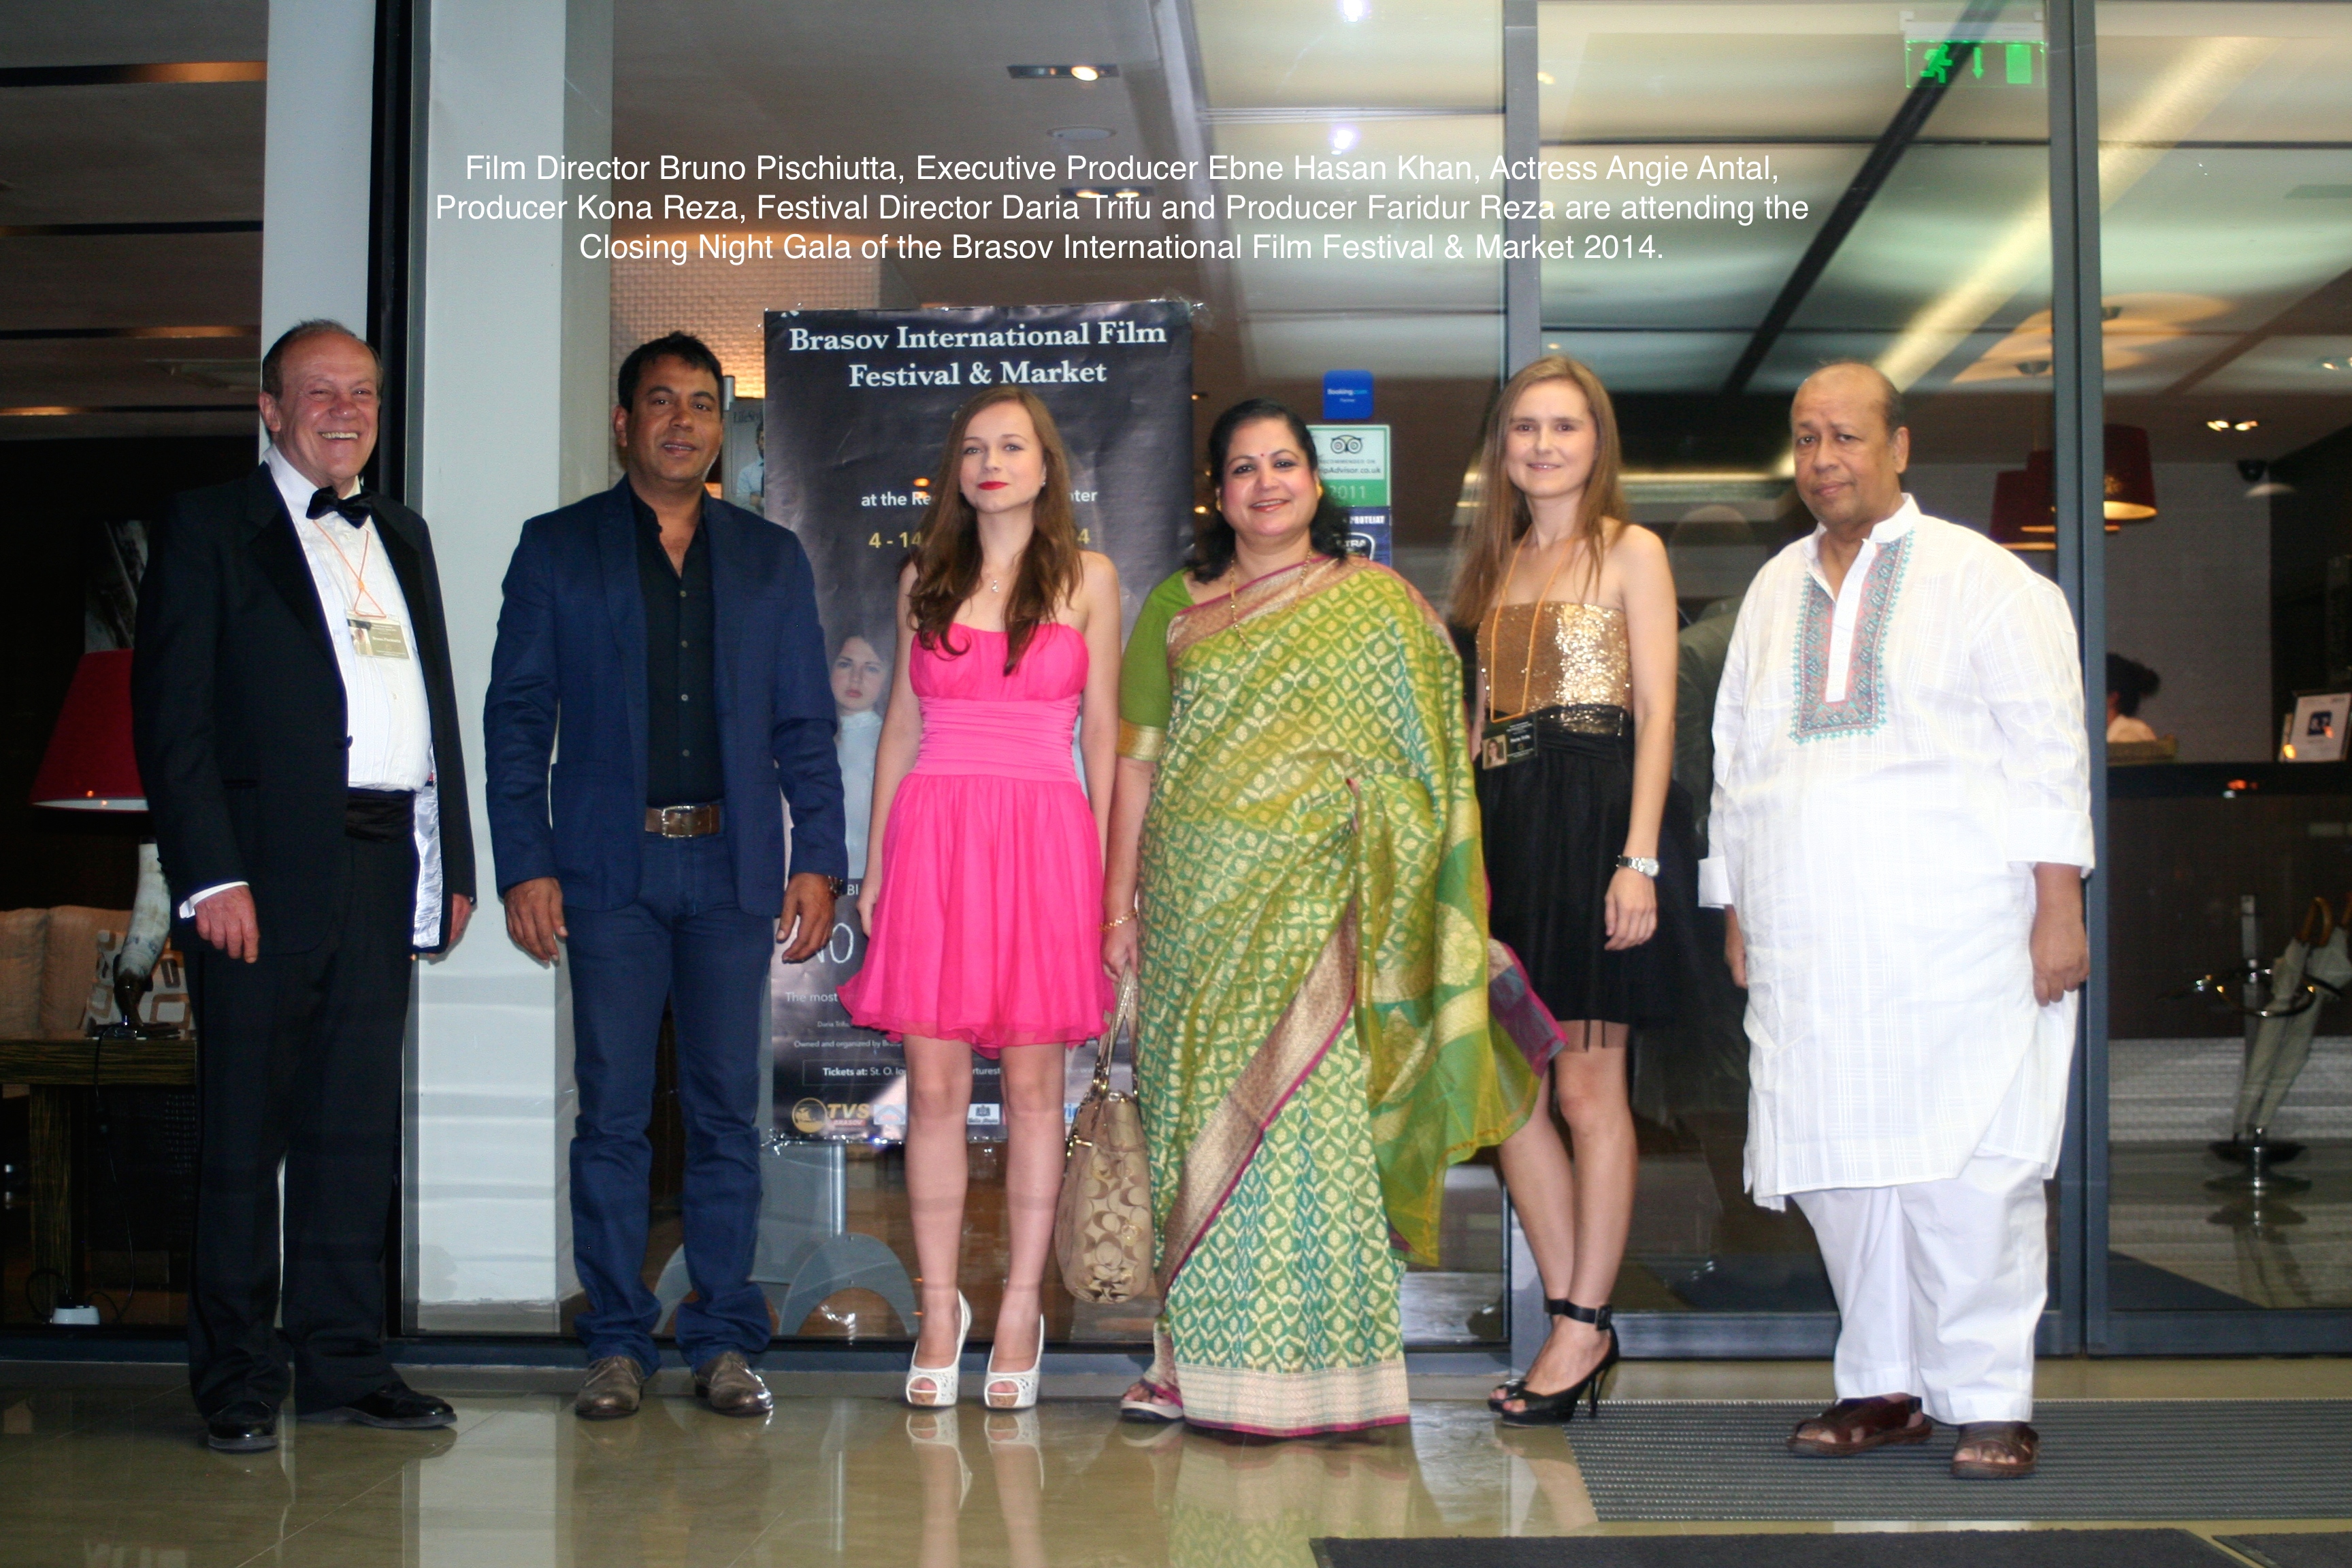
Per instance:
x=1147, y=1401
x=2005, y=1450
x=1852, y=1426
x=1516, y=1387
x=1552, y=1409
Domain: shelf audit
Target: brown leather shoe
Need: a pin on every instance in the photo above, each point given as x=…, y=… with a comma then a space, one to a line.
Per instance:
x=729, y=1386
x=2005, y=1450
x=1853, y=1425
x=615, y=1387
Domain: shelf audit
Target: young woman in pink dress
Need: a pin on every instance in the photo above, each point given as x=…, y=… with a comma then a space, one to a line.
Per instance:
x=981, y=910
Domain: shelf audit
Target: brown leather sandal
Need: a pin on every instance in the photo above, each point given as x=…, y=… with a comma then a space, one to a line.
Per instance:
x=2006, y=1450
x=1852, y=1426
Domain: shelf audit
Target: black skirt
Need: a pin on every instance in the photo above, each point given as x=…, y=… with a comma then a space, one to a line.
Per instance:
x=1555, y=823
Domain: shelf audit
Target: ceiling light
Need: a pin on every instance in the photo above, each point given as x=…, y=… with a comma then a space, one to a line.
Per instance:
x=1546, y=78
x=923, y=484
x=2245, y=424
x=1107, y=193
x=2332, y=365
x=2217, y=423
x=1073, y=73
x=1343, y=137
x=1085, y=73
x=1354, y=10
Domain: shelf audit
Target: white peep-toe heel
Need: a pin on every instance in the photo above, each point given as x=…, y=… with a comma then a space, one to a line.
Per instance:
x=943, y=1378
x=1024, y=1383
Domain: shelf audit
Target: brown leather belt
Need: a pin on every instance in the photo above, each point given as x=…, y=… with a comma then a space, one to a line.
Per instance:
x=683, y=821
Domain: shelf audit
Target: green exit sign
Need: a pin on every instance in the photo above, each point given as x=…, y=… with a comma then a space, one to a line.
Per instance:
x=1953, y=61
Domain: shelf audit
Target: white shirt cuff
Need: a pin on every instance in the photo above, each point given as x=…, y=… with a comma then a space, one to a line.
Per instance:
x=188, y=905
x=1715, y=882
x=2051, y=836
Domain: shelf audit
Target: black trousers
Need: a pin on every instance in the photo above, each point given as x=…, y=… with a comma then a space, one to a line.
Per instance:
x=299, y=1063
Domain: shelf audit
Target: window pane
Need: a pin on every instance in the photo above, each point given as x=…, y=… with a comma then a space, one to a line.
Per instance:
x=1741, y=194
x=2226, y=180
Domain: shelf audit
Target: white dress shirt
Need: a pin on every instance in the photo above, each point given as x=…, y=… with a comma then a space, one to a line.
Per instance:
x=1891, y=761
x=386, y=715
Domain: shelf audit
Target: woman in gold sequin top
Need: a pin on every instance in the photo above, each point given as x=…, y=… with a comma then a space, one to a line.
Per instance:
x=1568, y=616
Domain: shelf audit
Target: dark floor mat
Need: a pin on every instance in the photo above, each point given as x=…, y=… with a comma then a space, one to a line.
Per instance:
x=2101, y=1459
x=2320, y=1549
x=1891, y=1548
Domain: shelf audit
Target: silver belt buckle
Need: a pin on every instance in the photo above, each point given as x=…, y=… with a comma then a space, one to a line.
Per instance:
x=677, y=821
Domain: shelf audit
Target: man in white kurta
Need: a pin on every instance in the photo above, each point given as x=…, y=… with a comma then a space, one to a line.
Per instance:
x=1900, y=827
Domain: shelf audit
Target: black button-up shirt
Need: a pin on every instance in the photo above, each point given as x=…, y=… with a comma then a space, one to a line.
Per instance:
x=681, y=707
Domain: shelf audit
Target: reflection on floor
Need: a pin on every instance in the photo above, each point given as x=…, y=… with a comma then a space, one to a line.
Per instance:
x=118, y=1477
x=2192, y=1247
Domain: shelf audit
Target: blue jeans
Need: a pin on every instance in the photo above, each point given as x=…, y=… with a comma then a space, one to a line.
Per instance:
x=684, y=940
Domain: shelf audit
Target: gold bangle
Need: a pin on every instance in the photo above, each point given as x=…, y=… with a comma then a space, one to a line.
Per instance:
x=1108, y=926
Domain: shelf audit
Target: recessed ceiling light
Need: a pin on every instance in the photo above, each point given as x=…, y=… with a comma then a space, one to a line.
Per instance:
x=1073, y=72
x=2245, y=424
x=2332, y=365
x=923, y=484
x=1546, y=78
x=1354, y=10
x=1079, y=133
x=1343, y=137
x=1085, y=73
x=2217, y=423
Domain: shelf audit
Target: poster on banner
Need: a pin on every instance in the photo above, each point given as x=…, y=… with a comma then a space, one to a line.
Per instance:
x=857, y=410
x=1352, y=460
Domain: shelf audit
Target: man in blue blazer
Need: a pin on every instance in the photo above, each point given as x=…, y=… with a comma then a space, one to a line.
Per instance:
x=670, y=642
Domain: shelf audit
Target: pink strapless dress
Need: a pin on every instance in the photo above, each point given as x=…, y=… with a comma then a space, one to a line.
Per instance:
x=991, y=873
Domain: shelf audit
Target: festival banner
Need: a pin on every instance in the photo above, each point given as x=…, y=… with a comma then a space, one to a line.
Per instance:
x=859, y=407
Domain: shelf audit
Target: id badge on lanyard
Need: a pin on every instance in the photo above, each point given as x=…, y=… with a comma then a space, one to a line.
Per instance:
x=377, y=638
x=1514, y=743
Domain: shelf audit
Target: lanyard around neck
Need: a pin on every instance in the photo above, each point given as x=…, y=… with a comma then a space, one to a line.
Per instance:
x=358, y=574
x=1535, y=620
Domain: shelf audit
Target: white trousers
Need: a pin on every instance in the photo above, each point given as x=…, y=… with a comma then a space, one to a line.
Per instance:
x=1939, y=1286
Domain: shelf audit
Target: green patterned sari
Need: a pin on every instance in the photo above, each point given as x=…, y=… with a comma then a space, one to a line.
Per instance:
x=1315, y=1050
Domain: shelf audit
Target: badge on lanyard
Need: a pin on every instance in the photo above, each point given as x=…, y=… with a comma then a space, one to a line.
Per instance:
x=1514, y=743
x=377, y=638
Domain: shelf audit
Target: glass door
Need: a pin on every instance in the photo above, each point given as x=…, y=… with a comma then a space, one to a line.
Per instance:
x=1736, y=194
x=2225, y=1118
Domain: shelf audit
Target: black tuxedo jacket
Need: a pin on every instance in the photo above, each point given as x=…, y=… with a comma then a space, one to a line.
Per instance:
x=238, y=708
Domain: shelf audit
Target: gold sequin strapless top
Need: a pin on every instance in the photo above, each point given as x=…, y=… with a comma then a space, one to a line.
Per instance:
x=1579, y=657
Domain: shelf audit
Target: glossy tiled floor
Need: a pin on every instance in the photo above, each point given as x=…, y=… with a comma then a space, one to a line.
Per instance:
x=116, y=1476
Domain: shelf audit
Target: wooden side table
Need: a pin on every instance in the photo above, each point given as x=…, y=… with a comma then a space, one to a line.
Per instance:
x=59, y=1071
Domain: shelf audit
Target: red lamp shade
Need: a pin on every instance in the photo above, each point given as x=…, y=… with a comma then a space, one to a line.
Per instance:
x=2129, y=484
x=2131, y=475
x=2021, y=518
x=89, y=765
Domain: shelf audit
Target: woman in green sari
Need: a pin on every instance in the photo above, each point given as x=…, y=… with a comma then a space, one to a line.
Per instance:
x=1295, y=798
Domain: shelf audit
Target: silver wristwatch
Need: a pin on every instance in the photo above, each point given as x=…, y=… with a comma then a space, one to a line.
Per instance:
x=1645, y=863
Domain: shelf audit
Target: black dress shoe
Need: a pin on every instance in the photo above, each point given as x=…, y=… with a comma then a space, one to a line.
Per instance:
x=395, y=1406
x=247, y=1427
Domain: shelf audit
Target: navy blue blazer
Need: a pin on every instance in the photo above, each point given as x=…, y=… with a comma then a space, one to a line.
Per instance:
x=570, y=666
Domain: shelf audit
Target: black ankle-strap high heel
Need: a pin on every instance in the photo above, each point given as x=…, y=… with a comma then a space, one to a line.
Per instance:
x=1516, y=1387
x=1550, y=1409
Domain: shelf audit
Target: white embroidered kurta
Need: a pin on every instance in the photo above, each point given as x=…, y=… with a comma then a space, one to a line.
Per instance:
x=1890, y=762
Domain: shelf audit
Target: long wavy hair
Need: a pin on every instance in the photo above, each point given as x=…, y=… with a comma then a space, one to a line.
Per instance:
x=1501, y=518
x=948, y=558
x=1213, y=536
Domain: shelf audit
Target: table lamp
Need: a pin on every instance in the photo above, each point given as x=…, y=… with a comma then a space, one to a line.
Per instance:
x=90, y=766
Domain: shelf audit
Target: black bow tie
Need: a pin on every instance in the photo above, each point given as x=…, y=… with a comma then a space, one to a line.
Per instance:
x=354, y=508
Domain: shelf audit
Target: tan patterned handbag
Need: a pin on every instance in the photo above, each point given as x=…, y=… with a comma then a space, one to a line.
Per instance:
x=1102, y=1225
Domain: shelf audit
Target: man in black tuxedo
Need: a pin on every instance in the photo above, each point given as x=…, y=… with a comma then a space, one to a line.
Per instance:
x=296, y=731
